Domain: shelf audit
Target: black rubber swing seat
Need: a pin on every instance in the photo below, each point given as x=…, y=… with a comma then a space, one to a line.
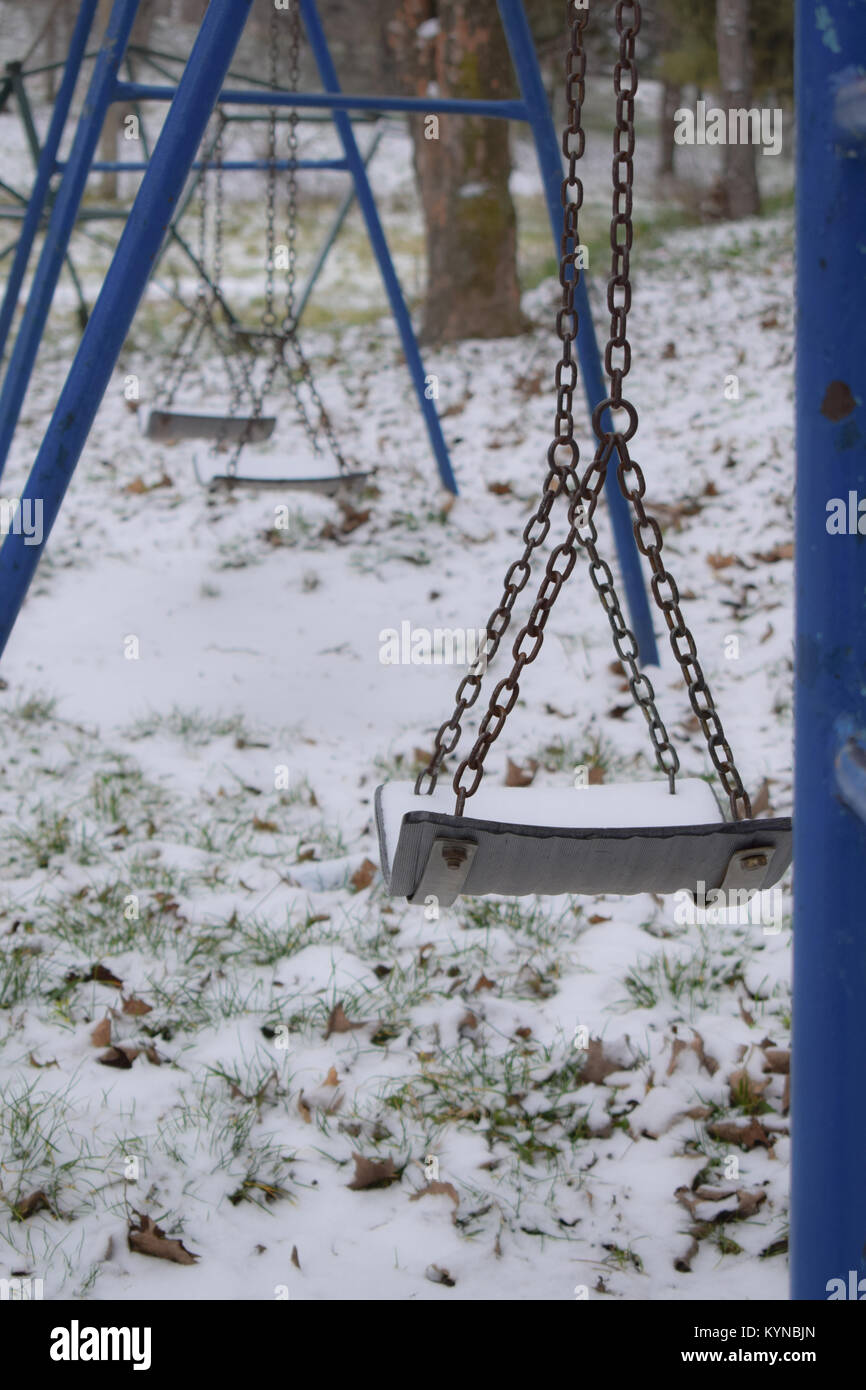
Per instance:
x=172, y=426
x=621, y=839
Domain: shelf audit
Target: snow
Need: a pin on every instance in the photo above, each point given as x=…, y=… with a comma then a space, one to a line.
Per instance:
x=615, y=806
x=224, y=780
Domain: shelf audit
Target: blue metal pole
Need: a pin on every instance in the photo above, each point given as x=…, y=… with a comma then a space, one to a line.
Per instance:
x=522, y=47
x=367, y=204
x=333, y=99
x=828, y=1217
x=124, y=285
x=45, y=168
x=138, y=166
x=99, y=96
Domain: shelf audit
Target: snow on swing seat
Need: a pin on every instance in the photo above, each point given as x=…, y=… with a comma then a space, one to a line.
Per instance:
x=171, y=426
x=628, y=838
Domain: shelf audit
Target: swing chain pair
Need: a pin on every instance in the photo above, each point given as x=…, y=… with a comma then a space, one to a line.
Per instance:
x=584, y=494
x=285, y=336
x=201, y=316
x=563, y=460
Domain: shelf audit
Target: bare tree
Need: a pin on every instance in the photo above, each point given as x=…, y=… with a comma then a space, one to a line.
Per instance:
x=462, y=165
x=733, y=43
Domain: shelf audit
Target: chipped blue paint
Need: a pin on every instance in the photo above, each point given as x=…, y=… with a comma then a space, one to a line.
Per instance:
x=825, y=23
x=828, y=1195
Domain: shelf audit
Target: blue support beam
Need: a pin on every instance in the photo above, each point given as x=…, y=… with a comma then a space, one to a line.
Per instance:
x=333, y=99
x=45, y=168
x=828, y=1216
x=376, y=233
x=63, y=216
x=138, y=166
x=522, y=47
x=121, y=292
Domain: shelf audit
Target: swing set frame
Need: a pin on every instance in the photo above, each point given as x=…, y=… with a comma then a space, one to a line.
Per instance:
x=828, y=1225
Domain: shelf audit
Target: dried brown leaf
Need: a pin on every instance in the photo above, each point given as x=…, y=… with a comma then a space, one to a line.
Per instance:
x=148, y=1239
x=437, y=1189
x=745, y=1089
x=778, y=1060
x=364, y=875
x=520, y=774
x=783, y=551
x=101, y=1035
x=372, y=1172
x=597, y=1066
x=338, y=1022
x=28, y=1206
x=135, y=1008
x=761, y=799
x=120, y=1057
x=747, y=1136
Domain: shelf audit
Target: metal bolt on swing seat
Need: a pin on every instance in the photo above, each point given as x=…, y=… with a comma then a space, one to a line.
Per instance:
x=446, y=871
x=454, y=854
x=755, y=861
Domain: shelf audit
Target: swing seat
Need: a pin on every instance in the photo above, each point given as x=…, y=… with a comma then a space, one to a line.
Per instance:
x=329, y=486
x=171, y=426
x=631, y=838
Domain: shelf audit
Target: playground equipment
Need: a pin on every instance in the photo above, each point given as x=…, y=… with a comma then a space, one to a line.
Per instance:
x=106, y=88
x=275, y=340
x=828, y=1227
x=587, y=840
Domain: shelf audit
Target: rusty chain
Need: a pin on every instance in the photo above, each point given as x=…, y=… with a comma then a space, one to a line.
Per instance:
x=584, y=495
x=285, y=336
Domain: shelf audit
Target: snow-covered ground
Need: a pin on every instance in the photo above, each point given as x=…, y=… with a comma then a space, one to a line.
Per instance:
x=194, y=721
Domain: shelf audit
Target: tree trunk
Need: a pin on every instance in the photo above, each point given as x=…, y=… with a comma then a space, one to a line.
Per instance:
x=462, y=166
x=671, y=98
x=108, y=140
x=739, y=178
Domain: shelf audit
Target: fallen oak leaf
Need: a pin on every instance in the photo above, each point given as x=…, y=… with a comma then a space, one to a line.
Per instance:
x=149, y=1239
x=371, y=1172
x=101, y=1035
